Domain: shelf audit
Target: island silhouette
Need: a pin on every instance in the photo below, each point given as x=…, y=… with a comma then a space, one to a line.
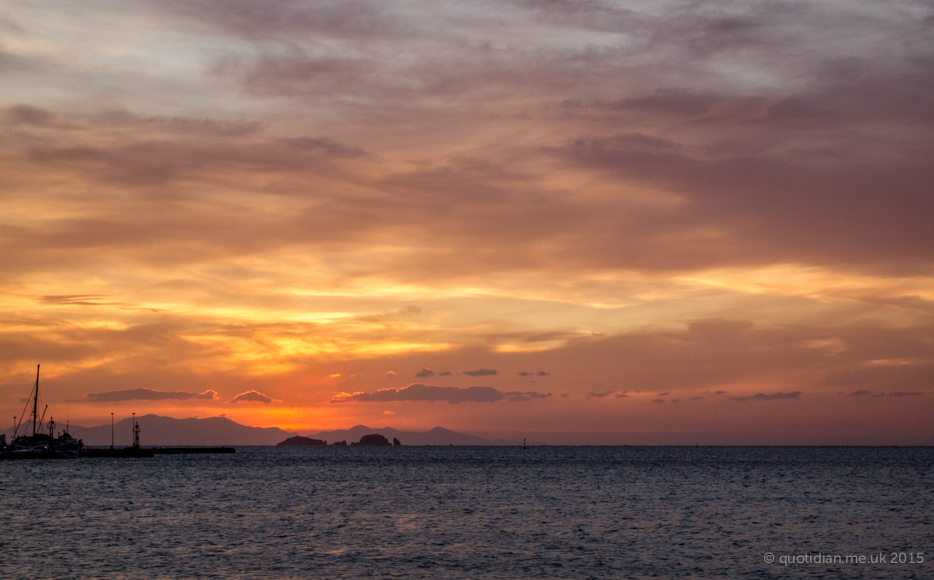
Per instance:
x=371, y=440
x=299, y=441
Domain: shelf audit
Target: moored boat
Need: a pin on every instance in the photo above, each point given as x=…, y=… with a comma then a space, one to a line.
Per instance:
x=41, y=445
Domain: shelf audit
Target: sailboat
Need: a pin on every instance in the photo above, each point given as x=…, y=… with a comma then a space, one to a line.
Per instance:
x=41, y=444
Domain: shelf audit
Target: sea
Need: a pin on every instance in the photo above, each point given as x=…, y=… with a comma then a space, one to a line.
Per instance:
x=474, y=512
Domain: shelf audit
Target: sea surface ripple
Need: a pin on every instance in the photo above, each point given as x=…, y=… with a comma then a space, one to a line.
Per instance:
x=470, y=512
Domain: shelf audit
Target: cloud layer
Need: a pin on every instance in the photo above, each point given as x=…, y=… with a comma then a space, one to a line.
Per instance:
x=637, y=198
x=150, y=395
x=433, y=393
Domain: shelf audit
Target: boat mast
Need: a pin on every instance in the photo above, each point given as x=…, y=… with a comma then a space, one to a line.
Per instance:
x=35, y=403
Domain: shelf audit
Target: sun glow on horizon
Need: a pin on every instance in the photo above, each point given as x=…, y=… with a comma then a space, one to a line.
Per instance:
x=535, y=231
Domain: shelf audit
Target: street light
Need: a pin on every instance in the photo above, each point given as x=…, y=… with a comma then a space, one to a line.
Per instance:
x=111, y=430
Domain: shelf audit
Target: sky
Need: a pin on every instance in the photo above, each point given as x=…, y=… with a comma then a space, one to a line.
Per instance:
x=577, y=221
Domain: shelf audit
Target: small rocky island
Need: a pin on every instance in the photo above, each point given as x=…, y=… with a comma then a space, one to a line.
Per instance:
x=298, y=441
x=372, y=440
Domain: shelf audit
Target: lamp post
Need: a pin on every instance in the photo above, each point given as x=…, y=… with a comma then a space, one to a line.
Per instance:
x=111, y=430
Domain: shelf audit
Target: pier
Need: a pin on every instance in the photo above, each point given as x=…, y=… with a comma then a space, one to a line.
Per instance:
x=125, y=453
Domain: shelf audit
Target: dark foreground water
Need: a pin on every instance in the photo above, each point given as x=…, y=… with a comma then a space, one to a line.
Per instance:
x=473, y=512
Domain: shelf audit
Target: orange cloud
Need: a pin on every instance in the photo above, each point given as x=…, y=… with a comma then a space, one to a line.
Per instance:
x=342, y=212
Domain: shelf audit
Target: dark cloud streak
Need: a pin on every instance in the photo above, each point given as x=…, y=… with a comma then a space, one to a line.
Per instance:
x=481, y=373
x=150, y=395
x=769, y=397
x=432, y=393
x=423, y=392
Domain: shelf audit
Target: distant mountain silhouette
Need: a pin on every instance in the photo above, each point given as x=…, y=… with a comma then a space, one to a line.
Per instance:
x=167, y=431
x=163, y=431
x=437, y=436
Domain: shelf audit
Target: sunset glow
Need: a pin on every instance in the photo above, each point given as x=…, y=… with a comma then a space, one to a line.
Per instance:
x=640, y=222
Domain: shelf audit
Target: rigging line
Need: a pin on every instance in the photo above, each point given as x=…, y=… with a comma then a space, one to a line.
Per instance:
x=23, y=415
x=49, y=394
x=53, y=403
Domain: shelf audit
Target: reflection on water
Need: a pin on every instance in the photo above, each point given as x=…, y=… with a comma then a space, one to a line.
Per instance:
x=469, y=512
